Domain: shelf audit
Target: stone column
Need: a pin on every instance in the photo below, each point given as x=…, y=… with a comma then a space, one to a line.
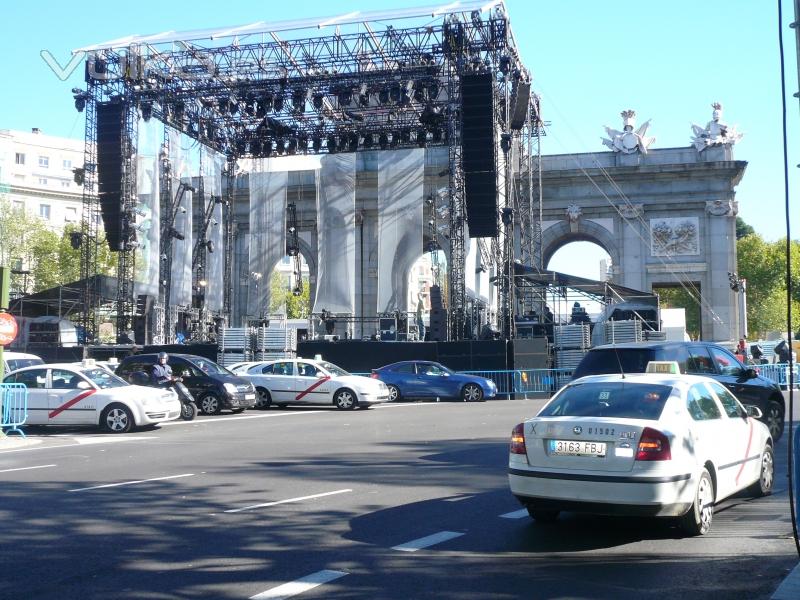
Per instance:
x=720, y=238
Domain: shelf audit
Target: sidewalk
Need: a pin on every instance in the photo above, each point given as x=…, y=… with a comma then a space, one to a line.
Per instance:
x=790, y=588
x=15, y=441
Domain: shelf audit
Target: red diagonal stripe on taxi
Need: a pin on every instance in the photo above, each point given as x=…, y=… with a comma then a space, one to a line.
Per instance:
x=746, y=452
x=314, y=386
x=70, y=403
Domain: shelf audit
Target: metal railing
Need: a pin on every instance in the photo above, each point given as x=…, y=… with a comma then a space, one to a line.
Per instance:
x=522, y=382
x=779, y=373
x=15, y=407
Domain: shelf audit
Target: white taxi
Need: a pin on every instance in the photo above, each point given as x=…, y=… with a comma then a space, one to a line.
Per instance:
x=662, y=445
x=68, y=394
x=302, y=381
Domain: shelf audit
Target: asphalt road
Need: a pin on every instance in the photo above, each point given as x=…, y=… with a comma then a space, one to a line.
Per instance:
x=401, y=501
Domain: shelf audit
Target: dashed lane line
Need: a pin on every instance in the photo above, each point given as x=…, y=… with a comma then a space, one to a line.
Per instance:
x=298, y=586
x=431, y=540
x=517, y=514
x=26, y=468
x=110, y=485
x=301, y=498
x=229, y=419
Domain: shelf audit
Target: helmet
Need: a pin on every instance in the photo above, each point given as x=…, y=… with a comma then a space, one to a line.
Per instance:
x=163, y=355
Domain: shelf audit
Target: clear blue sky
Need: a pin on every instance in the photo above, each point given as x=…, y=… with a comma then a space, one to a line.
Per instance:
x=590, y=60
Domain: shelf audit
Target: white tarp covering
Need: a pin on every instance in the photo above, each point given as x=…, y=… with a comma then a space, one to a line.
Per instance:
x=267, y=229
x=181, y=282
x=212, y=164
x=400, y=205
x=148, y=210
x=336, y=208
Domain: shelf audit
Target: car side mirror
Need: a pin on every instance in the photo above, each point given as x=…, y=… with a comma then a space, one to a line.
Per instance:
x=750, y=373
x=753, y=411
x=84, y=385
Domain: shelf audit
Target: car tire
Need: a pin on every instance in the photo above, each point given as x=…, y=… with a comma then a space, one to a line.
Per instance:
x=543, y=516
x=394, y=393
x=345, y=399
x=472, y=392
x=697, y=521
x=210, y=404
x=263, y=398
x=773, y=419
x=117, y=418
x=763, y=487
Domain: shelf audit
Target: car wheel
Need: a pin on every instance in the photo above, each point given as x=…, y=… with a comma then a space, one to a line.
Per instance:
x=773, y=419
x=210, y=404
x=543, y=516
x=394, y=393
x=698, y=520
x=472, y=392
x=763, y=487
x=263, y=400
x=117, y=418
x=345, y=399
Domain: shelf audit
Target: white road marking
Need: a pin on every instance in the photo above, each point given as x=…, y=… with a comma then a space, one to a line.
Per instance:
x=109, y=485
x=298, y=586
x=236, y=510
x=406, y=405
x=98, y=440
x=431, y=540
x=517, y=514
x=26, y=468
x=457, y=498
x=228, y=419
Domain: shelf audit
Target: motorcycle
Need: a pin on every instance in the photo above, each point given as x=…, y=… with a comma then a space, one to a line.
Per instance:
x=188, y=406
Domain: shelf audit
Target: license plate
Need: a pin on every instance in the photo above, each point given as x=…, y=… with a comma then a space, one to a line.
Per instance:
x=249, y=396
x=577, y=448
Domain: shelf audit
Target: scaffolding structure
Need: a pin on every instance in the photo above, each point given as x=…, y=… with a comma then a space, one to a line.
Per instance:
x=375, y=81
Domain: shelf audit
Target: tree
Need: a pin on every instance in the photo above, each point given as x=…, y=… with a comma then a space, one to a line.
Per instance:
x=298, y=307
x=679, y=297
x=743, y=229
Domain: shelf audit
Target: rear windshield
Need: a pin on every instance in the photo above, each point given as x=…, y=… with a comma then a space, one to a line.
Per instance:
x=20, y=363
x=610, y=399
x=611, y=360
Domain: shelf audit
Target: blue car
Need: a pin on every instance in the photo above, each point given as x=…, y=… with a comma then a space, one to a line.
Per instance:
x=425, y=379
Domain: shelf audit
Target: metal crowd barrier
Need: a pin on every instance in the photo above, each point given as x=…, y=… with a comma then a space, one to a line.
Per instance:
x=15, y=407
x=523, y=382
x=779, y=373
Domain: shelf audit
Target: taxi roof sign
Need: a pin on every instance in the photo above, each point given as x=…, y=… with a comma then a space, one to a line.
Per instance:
x=666, y=367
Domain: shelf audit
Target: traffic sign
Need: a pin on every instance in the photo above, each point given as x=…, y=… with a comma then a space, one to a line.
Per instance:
x=8, y=329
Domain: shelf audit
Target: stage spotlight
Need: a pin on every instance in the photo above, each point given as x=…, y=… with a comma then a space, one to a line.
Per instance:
x=281, y=146
x=505, y=64
x=176, y=234
x=363, y=100
x=353, y=142
x=331, y=144
x=80, y=103
x=210, y=246
x=344, y=97
x=344, y=141
x=291, y=147
x=354, y=115
x=369, y=140
x=298, y=291
x=266, y=147
x=395, y=138
x=277, y=104
x=383, y=141
x=419, y=95
x=75, y=239
x=318, y=101
x=437, y=135
x=316, y=143
x=255, y=147
x=241, y=147
x=233, y=107
x=79, y=175
x=422, y=138
x=383, y=96
x=395, y=93
x=405, y=136
x=302, y=143
x=433, y=91
x=147, y=110
x=299, y=100
x=263, y=106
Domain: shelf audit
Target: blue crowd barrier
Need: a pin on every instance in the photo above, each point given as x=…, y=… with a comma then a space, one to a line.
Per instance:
x=15, y=407
x=779, y=373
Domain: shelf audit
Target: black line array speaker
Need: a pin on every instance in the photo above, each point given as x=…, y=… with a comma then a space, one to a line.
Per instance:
x=110, y=117
x=520, y=99
x=478, y=154
x=438, y=325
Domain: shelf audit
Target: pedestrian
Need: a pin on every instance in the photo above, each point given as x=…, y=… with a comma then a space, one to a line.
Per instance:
x=741, y=351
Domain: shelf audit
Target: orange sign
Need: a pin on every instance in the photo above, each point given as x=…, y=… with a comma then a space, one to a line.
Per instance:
x=8, y=329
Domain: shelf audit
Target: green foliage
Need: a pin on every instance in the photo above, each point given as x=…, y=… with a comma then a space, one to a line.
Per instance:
x=298, y=307
x=688, y=299
x=743, y=229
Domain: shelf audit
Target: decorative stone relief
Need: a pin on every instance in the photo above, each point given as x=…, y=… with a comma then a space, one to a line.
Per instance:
x=722, y=208
x=631, y=211
x=629, y=141
x=574, y=213
x=716, y=132
x=677, y=236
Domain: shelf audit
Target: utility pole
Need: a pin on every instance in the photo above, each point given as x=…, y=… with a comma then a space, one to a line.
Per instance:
x=5, y=283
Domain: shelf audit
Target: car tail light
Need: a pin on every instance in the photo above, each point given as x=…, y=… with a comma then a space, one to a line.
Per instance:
x=653, y=445
x=374, y=375
x=517, y=445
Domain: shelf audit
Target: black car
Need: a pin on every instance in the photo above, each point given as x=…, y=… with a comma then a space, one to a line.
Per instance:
x=696, y=358
x=213, y=387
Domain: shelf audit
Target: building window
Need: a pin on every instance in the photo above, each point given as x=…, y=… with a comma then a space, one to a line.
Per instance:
x=67, y=163
x=44, y=162
x=42, y=180
x=18, y=177
x=20, y=159
x=71, y=214
x=44, y=211
x=64, y=183
x=19, y=205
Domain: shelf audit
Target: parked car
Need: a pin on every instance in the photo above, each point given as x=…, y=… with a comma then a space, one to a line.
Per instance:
x=213, y=387
x=698, y=358
x=304, y=381
x=17, y=360
x=426, y=379
x=68, y=394
x=646, y=445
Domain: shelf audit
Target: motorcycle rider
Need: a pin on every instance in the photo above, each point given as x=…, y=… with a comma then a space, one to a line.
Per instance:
x=161, y=375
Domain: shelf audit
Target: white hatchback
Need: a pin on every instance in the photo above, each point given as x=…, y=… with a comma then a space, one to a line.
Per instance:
x=649, y=445
x=68, y=394
x=302, y=381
